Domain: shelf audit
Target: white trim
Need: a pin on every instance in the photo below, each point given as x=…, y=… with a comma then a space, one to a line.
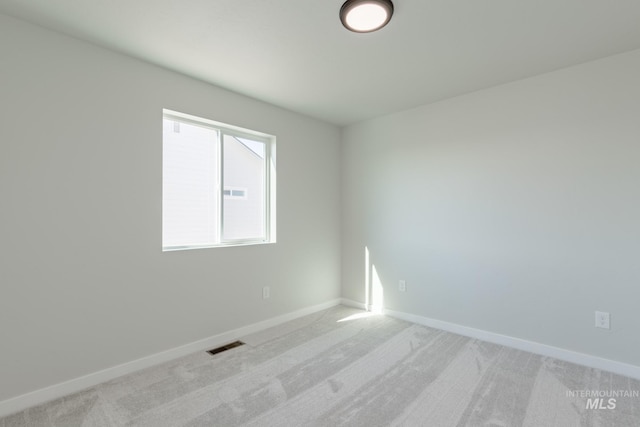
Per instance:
x=354, y=304
x=200, y=121
x=55, y=391
x=587, y=360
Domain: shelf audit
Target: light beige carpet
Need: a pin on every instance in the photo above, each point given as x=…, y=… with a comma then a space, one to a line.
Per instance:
x=337, y=368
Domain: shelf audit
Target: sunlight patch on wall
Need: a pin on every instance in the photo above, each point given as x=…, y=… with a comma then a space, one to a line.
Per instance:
x=373, y=289
x=377, y=292
x=367, y=277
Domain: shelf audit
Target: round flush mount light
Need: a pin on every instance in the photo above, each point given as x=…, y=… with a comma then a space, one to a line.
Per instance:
x=365, y=16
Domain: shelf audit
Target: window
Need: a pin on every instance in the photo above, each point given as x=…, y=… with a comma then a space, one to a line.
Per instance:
x=218, y=184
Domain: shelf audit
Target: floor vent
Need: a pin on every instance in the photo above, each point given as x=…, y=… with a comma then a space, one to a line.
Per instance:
x=225, y=347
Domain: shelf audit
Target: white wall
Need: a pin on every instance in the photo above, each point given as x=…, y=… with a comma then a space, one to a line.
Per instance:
x=514, y=210
x=84, y=284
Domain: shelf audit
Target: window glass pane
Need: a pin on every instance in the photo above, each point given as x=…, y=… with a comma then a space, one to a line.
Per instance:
x=244, y=168
x=189, y=185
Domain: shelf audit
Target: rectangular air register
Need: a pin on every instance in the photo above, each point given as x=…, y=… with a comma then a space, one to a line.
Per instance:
x=225, y=347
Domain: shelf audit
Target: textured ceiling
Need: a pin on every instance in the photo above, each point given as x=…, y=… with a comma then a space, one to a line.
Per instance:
x=295, y=53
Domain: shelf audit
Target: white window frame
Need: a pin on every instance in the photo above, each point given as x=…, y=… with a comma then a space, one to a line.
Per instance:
x=269, y=179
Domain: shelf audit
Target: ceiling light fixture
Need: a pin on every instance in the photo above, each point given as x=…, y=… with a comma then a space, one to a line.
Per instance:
x=365, y=16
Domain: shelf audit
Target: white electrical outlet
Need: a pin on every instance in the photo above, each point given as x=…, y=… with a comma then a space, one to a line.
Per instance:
x=602, y=320
x=266, y=292
x=402, y=286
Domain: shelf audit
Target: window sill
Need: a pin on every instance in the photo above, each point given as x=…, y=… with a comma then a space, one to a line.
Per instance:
x=220, y=245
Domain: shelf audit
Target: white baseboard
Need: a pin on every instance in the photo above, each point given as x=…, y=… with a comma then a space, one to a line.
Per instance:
x=583, y=359
x=587, y=360
x=43, y=395
x=354, y=304
x=47, y=394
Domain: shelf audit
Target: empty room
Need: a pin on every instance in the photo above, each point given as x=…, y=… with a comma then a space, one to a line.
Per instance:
x=319, y=213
